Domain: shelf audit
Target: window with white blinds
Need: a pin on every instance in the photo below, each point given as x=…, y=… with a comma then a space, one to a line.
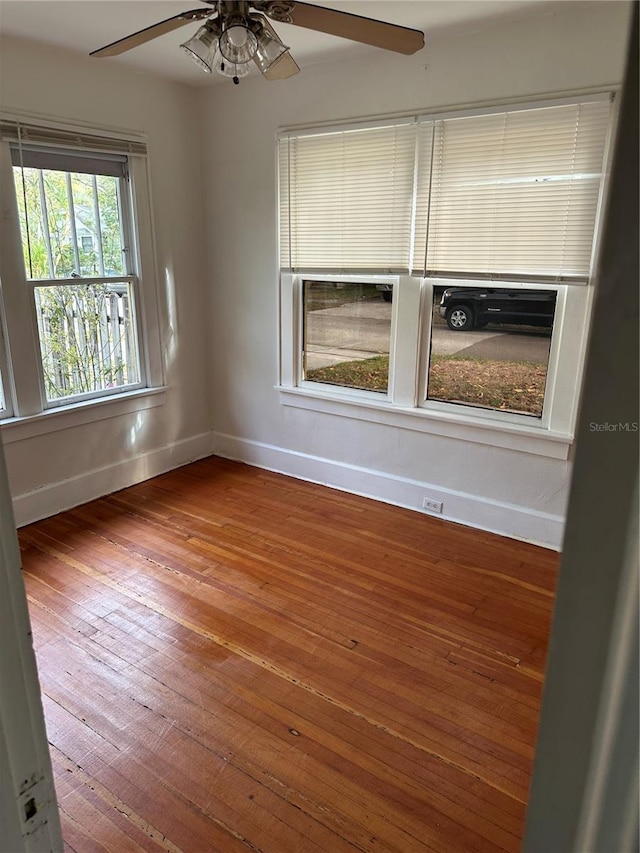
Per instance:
x=512, y=192
x=346, y=199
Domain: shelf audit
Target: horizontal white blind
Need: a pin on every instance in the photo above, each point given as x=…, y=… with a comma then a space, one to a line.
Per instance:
x=517, y=192
x=26, y=133
x=347, y=199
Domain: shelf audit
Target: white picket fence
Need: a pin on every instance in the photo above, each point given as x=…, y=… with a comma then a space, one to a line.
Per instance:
x=87, y=337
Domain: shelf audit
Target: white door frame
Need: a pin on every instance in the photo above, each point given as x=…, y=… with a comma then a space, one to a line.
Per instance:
x=28, y=809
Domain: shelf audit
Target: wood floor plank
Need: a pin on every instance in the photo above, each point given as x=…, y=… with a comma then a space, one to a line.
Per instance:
x=373, y=685
x=234, y=661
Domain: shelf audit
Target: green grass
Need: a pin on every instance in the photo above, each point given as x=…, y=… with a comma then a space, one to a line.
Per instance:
x=372, y=374
x=506, y=385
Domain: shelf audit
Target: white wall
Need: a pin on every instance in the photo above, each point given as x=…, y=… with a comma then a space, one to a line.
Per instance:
x=221, y=311
x=573, y=47
x=56, y=83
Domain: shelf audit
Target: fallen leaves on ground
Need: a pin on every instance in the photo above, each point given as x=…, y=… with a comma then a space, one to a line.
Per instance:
x=506, y=385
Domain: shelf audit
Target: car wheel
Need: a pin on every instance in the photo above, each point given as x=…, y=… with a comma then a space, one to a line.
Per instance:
x=459, y=318
x=387, y=295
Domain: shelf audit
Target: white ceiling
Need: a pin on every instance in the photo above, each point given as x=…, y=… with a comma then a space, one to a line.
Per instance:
x=85, y=25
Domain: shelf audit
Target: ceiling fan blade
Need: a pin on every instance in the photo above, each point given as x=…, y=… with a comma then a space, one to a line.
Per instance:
x=354, y=27
x=285, y=66
x=152, y=32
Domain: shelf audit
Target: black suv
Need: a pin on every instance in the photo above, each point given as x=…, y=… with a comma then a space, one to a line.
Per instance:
x=467, y=308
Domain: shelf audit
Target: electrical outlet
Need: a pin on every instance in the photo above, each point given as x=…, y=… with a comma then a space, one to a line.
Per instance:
x=431, y=505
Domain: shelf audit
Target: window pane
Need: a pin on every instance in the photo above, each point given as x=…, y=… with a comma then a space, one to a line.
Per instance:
x=347, y=334
x=490, y=347
x=70, y=224
x=87, y=338
x=108, y=190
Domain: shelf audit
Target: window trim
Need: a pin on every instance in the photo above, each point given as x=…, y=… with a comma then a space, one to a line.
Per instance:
x=23, y=391
x=79, y=413
x=446, y=425
x=6, y=411
x=551, y=435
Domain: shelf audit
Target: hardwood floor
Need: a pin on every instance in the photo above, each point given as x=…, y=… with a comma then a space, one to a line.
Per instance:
x=233, y=660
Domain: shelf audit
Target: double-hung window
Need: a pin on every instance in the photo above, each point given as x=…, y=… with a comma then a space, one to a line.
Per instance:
x=441, y=263
x=77, y=270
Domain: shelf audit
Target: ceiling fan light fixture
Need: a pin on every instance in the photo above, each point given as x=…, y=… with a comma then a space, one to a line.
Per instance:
x=202, y=46
x=238, y=43
x=240, y=36
x=234, y=70
x=270, y=50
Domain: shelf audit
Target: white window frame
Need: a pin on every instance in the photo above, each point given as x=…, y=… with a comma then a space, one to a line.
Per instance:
x=30, y=412
x=405, y=405
x=6, y=410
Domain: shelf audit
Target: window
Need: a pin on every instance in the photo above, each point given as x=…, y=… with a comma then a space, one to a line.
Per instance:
x=475, y=233
x=347, y=335
x=86, y=329
x=78, y=272
x=502, y=365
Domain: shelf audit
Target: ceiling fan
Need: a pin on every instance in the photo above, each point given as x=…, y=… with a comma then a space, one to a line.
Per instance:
x=236, y=33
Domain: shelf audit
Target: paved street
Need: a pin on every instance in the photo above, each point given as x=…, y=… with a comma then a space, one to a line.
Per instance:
x=498, y=345
x=358, y=330
x=362, y=329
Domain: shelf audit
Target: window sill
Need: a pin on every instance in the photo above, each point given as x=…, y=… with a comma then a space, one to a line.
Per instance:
x=523, y=438
x=77, y=414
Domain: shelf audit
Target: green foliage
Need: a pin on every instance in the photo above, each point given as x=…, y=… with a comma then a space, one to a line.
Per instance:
x=370, y=374
x=51, y=206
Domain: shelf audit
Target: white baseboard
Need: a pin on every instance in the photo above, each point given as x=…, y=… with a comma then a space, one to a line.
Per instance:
x=517, y=522
x=56, y=497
